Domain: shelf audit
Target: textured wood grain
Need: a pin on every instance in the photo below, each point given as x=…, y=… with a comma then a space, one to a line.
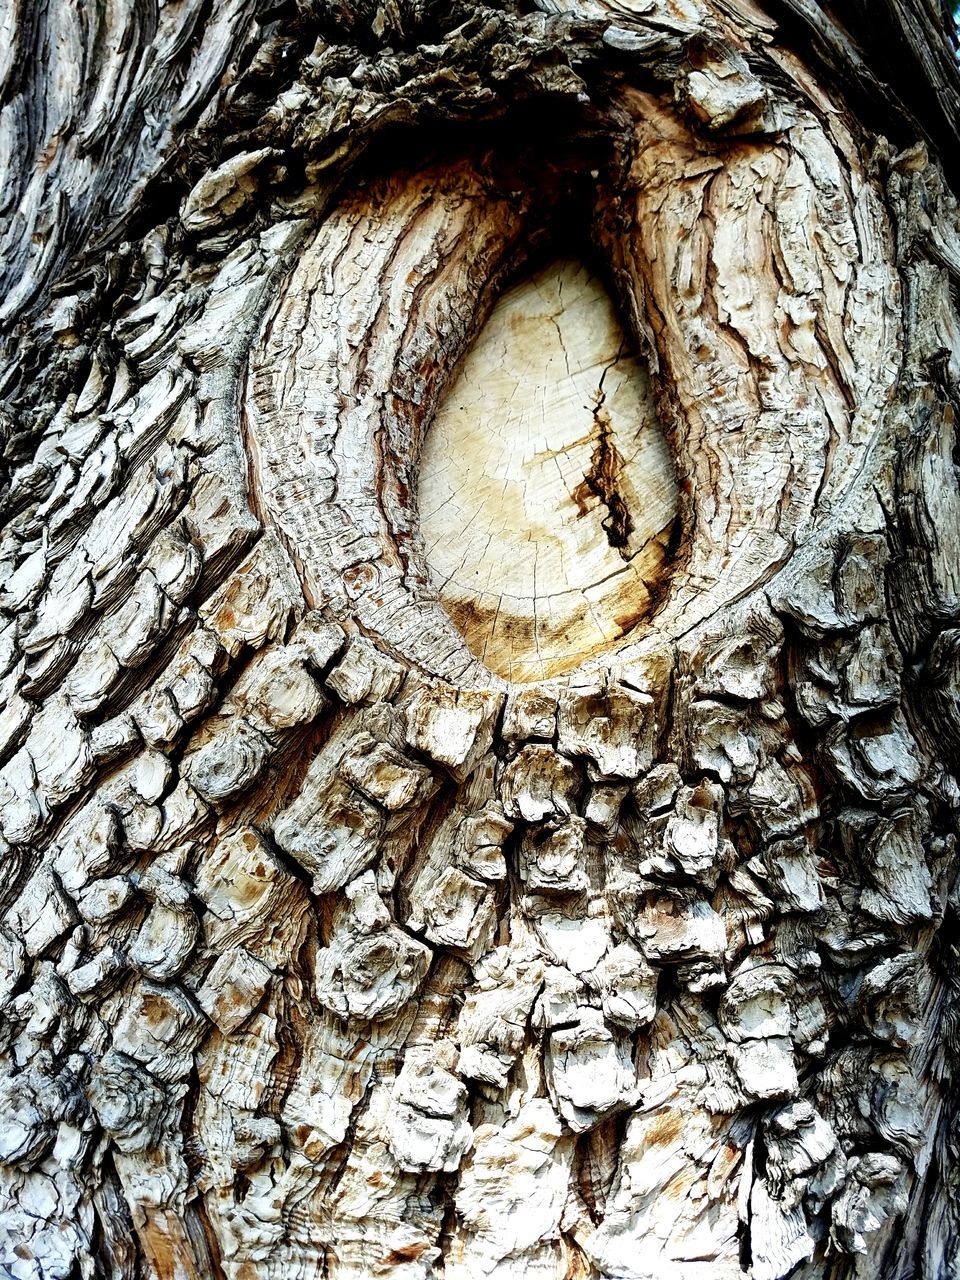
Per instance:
x=546, y=492
x=327, y=949
x=397, y=276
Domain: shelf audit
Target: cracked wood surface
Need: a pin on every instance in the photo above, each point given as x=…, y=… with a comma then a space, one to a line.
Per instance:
x=327, y=949
x=546, y=491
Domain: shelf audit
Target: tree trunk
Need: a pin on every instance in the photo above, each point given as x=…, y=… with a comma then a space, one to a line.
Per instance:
x=481, y=642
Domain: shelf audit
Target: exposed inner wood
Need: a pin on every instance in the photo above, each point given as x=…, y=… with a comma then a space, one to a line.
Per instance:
x=349, y=366
x=547, y=491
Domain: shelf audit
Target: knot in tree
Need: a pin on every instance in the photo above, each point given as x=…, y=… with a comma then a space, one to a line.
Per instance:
x=478, y=642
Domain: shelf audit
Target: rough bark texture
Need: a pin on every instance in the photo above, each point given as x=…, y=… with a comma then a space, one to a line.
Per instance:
x=332, y=945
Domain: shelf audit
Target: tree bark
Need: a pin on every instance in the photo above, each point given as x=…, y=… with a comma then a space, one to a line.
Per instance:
x=480, y=642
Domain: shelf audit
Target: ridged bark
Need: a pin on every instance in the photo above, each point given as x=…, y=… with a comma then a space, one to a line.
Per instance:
x=377, y=905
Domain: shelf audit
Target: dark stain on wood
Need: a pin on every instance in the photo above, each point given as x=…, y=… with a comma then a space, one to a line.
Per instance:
x=603, y=481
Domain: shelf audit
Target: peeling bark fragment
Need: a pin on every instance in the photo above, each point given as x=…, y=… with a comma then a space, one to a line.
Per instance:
x=44, y=1010
x=693, y=831
x=568, y=933
x=12, y=962
x=720, y=91
x=612, y=726
x=802, y=1154
x=230, y=762
x=256, y=603
x=873, y=1192
x=480, y=841
x=41, y=914
x=628, y=987
x=371, y=968
x=427, y=1127
x=113, y=739
x=766, y=1068
x=89, y=683
x=723, y=744
x=27, y=1132
x=740, y=667
x=560, y=1000
x=222, y=528
x=60, y=752
x=165, y=942
x=791, y=868
x=453, y=727
x=233, y=988
x=754, y=1005
x=319, y=640
x=511, y=1194
x=890, y=999
x=159, y=1027
x=128, y=1101
x=492, y=1024
x=551, y=858
x=92, y=980
x=385, y=776
x=530, y=712
x=364, y=674
x=654, y=793
x=459, y=911
x=379, y=975
x=671, y=930
x=220, y=194
x=538, y=784
x=140, y=624
x=331, y=830
x=590, y=1071
x=243, y=887
x=784, y=1234
x=174, y=563
x=893, y=853
x=669, y=1158
x=602, y=809
x=276, y=692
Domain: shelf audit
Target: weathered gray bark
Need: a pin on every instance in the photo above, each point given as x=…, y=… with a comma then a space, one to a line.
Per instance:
x=372, y=910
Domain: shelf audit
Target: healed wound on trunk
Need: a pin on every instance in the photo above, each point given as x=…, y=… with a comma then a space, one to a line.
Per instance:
x=470, y=471
x=547, y=493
